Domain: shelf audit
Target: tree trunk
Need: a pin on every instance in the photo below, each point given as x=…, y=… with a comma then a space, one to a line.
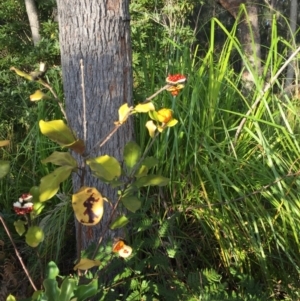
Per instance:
x=98, y=33
x=293, y=24
x=248, y=35
x=33, y=18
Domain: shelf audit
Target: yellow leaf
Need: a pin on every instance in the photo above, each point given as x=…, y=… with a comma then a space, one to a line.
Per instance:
x=21, y=73
x=85, y=264
x=144, y=107
x=4, y=143
x=151, y=128
x=124, y=112
x=172, y=122
x=88, y=206
x=38, y=95
x=57, y=131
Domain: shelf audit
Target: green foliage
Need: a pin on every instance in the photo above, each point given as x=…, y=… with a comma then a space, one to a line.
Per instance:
x=225, y=225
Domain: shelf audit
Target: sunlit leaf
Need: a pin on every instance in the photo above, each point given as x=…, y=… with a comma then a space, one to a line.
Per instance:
x=11, y=298
x=52, y=290
x=142, y=171
x=52, y=270
x=151, y=128
x=61, y=159
x=106, y=168
x=4, y=168
x=20, y=226
x=38, y=95
x=50, y=183
x=152, y=180
x=172, y=122
x=4, y=143
x=67, y=288
x=119, y=222
x=144, y=107
x=85, y=264
x=153, y=115
x=124, y=111
x=57, y=131
x=132, y=154
x=37, y=209
x=34, y=236
x=22, y=74
x=132, y=203
x=87, y=204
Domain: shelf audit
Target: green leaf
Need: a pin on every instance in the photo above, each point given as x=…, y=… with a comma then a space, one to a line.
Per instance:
x=61, y=159
x=35, y=192
x=132, y=154
x=20, y=227
x=146, y=164
x=119, y=222
x=150, y=162
x=57, y=131
x=34, y=236
x=50, y=183
x=4, y=168
x=11, y=298
x=86, y=291
x=152, y=180
x=51, y=289
x=105, y=168
x=52, y=270
x=142, y=171
x=132, y=203
x=153, y=115
x=67, y=289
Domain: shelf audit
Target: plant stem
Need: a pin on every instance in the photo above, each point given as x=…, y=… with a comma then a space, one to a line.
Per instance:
x=17, y=253
x=120, y=197
x=55, y=97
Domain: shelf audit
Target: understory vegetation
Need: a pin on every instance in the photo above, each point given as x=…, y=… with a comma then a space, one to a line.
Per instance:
x=227, y=225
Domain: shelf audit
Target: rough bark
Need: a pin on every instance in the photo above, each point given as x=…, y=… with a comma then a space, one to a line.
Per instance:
x=293, y=24
x=98, y=32
x=33, y=18
x=249, y=36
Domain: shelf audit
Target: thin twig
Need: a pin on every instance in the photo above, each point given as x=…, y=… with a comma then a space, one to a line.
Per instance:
x=105, y=139
x=110, y=134
x=121, y=195
x=107, y=225
x=144, y=155
x=17, y=253
x=43, y=83
x=83, y=100
x=262, y=93
x=156, y=93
